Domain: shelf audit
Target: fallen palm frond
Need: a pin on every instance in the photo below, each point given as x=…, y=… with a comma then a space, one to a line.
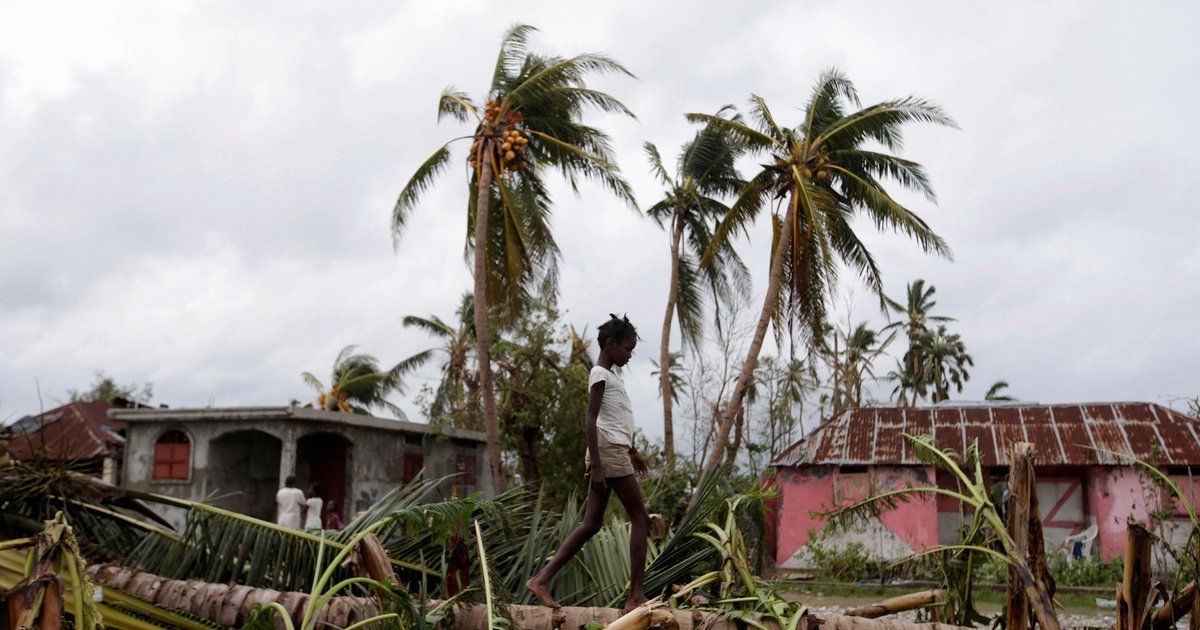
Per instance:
x=893, y=605
x=52, y=577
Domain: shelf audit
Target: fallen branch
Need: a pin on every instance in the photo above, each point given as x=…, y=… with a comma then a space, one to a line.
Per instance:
x=902, y=603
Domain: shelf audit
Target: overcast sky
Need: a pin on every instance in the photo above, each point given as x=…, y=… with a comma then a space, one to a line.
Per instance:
x=198, y=195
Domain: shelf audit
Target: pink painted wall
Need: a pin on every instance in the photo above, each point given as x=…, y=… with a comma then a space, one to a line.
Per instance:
x=1114, y=495
x=806, y=491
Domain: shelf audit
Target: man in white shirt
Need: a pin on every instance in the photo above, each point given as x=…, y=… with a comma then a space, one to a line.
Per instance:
x=289, y=504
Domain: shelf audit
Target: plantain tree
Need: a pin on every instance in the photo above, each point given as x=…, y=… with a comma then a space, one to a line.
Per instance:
x=529, y=123
x=690, y=211
x=818, y=176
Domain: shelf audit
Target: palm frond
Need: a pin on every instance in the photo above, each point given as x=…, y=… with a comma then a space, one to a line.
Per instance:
x=656, y=164
x=457, y=105
x=513, y=49
x=416, y=186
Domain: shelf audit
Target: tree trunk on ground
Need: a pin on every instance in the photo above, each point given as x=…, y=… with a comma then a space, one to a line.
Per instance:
x=1134, y=595
x=1027, y=602
x=483, y=344
x=664, y=352
x=760, y=334
x=226, y=604
x=1174, y=610
x=902, y=603
x=540, y=618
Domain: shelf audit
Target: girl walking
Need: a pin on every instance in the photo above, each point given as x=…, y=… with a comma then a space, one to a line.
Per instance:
x=612, y=463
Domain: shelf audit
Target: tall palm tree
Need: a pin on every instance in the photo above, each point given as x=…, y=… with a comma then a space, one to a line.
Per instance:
x=826, y=173
x=691, y=209
x=357, y=385
x=457, y=396
x=917, y=313
x=529, y=122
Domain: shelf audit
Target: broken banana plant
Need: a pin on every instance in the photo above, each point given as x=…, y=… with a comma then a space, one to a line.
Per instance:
x=984, y=535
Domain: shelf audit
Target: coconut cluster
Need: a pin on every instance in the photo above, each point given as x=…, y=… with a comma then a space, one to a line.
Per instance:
x=816, y=169
x=500, y=137
x=337, y=400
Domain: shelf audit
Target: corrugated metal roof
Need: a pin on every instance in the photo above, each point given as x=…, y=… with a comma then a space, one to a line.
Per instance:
x=1064, y=434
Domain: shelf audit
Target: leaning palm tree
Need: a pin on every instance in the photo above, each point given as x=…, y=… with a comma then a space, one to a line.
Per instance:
x=826, y=174
x=529, y=122
x=358, y=385
x=691, y=209
x=456, y=399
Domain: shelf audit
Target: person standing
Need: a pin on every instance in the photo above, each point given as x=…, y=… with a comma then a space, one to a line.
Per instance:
x=312, y=512
x=289, y=504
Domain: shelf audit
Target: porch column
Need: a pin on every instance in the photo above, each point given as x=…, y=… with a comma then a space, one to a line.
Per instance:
x=287, y=457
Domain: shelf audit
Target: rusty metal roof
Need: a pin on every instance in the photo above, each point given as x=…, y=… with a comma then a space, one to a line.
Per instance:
x=1064, y=434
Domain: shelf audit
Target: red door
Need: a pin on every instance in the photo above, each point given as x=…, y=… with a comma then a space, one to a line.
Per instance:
x=329, y=470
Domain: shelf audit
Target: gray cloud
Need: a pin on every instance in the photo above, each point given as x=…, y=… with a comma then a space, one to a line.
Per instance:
x=199, y=195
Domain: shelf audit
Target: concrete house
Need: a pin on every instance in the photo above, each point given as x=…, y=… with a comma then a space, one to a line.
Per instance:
x=1083, y=490
x=239, y=456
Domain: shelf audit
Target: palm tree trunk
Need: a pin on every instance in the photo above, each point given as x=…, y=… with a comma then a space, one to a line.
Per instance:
x=483, y=348
x=760, y=335
x=664, y=354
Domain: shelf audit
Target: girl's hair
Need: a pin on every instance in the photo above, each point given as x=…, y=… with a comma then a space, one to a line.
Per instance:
x=618, y=328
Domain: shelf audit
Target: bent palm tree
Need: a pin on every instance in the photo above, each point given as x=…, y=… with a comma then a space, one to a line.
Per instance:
x=530, y=122
x=358, y=385
x=704, y=172
x=826, y=174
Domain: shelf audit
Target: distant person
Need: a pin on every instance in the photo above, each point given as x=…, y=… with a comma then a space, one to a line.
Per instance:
x=613, y=465
x=333, y=517
x=312, y=512
x=289, y=504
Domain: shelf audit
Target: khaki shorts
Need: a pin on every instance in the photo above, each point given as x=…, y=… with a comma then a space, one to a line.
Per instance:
x=614, y=458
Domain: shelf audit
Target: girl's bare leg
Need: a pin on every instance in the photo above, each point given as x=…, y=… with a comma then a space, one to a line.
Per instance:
x=593, y=519
x=630, y=493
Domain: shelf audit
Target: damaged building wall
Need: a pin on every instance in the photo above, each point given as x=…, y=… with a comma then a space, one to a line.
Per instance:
x=807, y=492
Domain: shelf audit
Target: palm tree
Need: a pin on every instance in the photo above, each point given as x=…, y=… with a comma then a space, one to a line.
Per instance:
x=690, y=211
x=916, y=312
x=676, y=382
x=357, y=385
x=529, y=122
x=993, y=392
x=457, y=396
x=945, y=361
x=854, y=354
x=826, y=174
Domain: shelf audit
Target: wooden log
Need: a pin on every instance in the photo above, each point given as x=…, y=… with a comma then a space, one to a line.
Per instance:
x=1135, y=587
x=541, y=618
x=1165, y=618
x=902, y=603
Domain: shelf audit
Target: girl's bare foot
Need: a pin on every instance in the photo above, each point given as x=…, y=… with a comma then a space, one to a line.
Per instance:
x=542, y=591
